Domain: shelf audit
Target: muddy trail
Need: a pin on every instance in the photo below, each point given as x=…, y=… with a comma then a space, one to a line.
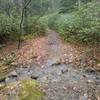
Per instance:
x=60, y=78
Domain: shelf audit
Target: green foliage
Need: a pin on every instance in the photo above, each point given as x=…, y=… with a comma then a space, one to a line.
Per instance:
x=79, y=26
x=26, y=90
x=30, y=90
x=6, y=7
x=9, y=26
x=67, y=5
x=10, y=17
x=34, y=27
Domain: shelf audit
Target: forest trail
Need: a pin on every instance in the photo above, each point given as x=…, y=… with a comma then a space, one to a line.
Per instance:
x=54, y=48
x=55, y=68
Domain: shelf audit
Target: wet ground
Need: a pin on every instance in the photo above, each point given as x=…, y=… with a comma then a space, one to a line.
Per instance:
x=60, y=80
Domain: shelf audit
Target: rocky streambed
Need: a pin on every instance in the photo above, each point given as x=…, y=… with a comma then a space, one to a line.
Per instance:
x=59, y=81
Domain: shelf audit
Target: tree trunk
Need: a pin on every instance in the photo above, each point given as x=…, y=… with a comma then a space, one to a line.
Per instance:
x=79, y=4
x=21, y=23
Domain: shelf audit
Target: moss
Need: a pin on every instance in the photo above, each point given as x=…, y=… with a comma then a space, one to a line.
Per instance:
x=25, y=90
x=30, y=90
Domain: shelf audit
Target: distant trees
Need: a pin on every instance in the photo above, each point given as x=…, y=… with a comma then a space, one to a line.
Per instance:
x=67, y=5
x=37, y=7
x=6, y=7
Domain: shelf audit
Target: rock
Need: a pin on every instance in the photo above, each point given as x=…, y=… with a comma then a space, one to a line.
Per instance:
x=26, y=66
x=90, y=71
x=70, y=61
x=83, y=98
x=13, y=74
x=2, y=80
x=7, y=79
x=84, y=76
x=44, y=79
x=75, y=88
x=55, y=61
x=98, y=98
x=10, y=80
x=59, y=73
x=14, y=64
x=42, y=66
x=2, y=85
x=34, y=77
x=97, y=68
x=90, y=81
x=85, y=95
x=98, y=65
x=64, y=70
x=64, y=87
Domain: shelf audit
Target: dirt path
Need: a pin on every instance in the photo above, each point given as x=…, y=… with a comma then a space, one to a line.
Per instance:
x=64, y=81
x=55, y=69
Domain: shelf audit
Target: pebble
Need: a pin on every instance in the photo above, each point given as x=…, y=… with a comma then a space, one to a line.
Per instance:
x=74, y=88
x=85, y=95
x=42, y=66
x=54, y=61
x=90, y=81
x=2, y=79
x=98, y=65
x=64, y=88
x=83, y=98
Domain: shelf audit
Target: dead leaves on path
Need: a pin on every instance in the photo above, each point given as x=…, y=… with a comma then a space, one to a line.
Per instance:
x=34, y=49
x=37, y=50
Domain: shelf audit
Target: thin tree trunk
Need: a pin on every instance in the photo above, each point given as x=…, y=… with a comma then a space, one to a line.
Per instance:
x=53, y=6
x=79, y=4
x=21, y=29
x=21, y=23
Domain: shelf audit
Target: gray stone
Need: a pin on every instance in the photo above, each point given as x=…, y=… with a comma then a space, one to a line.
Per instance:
x=83, y=98
x=90, y=71
x=10, y=80
x=13, y=74
x=54, y=61
x=64, y=70
x=2, y=80
x=35, y=77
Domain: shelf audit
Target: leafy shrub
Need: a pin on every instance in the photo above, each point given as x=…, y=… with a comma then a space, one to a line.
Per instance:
x=79, y=26
x=49, y=20
x=34, y=27
x=9, y=26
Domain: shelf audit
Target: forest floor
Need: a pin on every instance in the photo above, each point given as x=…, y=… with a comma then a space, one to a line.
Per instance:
x=66, y=71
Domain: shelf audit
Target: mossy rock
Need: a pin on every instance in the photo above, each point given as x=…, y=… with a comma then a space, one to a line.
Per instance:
x=25, y=90
x=30, y=90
